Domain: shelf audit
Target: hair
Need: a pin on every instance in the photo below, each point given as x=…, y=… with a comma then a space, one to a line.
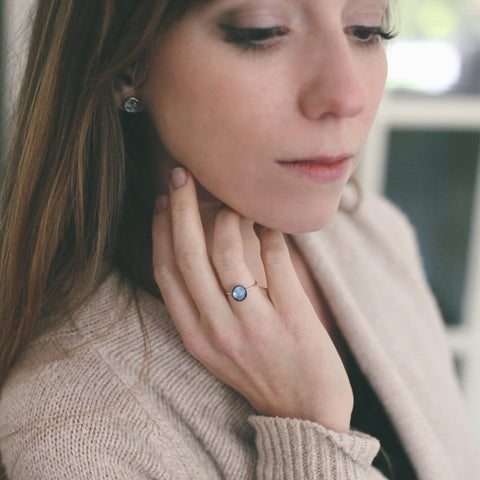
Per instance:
x=73, y=189
x=77, y=196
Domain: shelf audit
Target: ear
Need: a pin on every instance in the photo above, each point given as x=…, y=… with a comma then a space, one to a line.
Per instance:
x=124, y=88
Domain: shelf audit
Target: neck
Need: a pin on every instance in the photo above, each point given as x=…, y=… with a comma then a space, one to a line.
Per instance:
x=208, y=206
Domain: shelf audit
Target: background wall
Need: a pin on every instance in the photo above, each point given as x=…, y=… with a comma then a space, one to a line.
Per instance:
x=15, y=26
x=423, y=153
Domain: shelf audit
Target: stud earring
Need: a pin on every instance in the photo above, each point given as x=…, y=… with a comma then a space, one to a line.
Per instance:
x=131, y=105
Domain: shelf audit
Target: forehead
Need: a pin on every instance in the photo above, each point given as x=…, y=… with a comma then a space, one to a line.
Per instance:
x=380, y=3
x=381, y=6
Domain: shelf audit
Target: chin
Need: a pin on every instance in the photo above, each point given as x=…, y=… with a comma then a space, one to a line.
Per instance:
x=311, y=220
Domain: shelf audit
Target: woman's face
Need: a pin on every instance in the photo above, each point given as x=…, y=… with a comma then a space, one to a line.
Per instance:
x=269, y=102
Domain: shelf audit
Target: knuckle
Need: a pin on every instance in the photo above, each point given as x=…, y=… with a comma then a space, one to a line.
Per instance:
x=223, y=339
x=275, y=254
x=163, y=274
x=226, y=215
x=293, y=321
x=179, y=206
x=226, y=256
x=289, y=316
x=192, y=344
x=260, y=333
x=188, y=261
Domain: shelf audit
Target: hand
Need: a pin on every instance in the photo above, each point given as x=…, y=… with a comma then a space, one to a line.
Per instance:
x=271, y=348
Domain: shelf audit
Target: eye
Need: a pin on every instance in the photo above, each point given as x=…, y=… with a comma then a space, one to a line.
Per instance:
x=370, y=36
x=248, y=38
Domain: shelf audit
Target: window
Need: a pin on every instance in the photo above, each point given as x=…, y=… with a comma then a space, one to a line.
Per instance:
x=447, y=33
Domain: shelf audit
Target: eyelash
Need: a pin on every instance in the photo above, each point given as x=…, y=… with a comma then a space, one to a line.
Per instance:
x=253, y=38
x=263, y=38
x=370, y=36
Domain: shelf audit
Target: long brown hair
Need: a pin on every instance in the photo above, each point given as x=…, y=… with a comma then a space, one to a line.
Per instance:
x=74, y=186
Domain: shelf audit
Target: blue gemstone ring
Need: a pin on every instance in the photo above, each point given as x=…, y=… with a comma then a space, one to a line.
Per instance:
x=239, y=293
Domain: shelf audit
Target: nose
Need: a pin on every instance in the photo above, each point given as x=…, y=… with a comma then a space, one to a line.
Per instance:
x=333, y=86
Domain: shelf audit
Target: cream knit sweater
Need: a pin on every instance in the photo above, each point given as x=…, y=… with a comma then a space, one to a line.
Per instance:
x=96, y=399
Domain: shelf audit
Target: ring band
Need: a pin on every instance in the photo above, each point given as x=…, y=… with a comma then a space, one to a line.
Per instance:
x=239, y=292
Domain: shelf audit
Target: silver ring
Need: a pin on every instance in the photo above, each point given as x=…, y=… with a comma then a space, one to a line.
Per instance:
x=239, y=292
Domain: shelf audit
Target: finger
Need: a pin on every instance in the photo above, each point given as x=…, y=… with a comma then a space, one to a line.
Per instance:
x=169, y=279
x=175, y=293
x=190, y=248
x=284, y=287
x=230, y=265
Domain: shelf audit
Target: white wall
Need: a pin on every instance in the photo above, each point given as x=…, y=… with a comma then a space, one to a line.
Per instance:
x=13, y=50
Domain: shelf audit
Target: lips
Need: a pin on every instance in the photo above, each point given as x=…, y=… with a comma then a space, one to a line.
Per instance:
x=322, y=169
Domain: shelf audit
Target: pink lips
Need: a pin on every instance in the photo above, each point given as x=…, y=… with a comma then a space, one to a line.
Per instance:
x=321, y=169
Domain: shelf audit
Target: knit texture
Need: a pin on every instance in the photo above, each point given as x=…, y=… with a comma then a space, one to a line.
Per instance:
x=96, y=398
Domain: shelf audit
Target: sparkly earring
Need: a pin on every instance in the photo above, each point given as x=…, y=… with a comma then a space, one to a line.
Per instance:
x=131, y=105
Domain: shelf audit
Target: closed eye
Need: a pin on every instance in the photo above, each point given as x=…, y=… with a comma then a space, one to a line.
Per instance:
x=249, y=38
x=370, y=36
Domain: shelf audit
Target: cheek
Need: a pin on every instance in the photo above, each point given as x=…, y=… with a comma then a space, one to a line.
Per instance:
x=198, y=108
x=208, y=106
x=376, y=77
x=208, y=120
x=373, y=74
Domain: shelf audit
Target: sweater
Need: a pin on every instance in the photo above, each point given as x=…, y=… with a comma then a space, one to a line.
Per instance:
x=112, y=392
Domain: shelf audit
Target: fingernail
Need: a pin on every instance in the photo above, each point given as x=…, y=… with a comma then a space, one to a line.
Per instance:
x=161, y=204
x=178, y=177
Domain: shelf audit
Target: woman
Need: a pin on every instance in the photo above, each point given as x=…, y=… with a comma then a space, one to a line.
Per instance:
x=224, y=348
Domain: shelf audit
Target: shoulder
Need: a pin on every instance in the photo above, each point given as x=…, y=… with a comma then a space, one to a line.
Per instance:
x=73, y=408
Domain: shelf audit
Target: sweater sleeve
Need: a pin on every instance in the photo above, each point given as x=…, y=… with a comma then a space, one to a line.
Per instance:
x=292, y=449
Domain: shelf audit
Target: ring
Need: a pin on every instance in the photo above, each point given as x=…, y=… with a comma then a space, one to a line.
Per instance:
x=239, y=292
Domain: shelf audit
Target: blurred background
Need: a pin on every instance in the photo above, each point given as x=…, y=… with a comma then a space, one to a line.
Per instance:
x=423, y=153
